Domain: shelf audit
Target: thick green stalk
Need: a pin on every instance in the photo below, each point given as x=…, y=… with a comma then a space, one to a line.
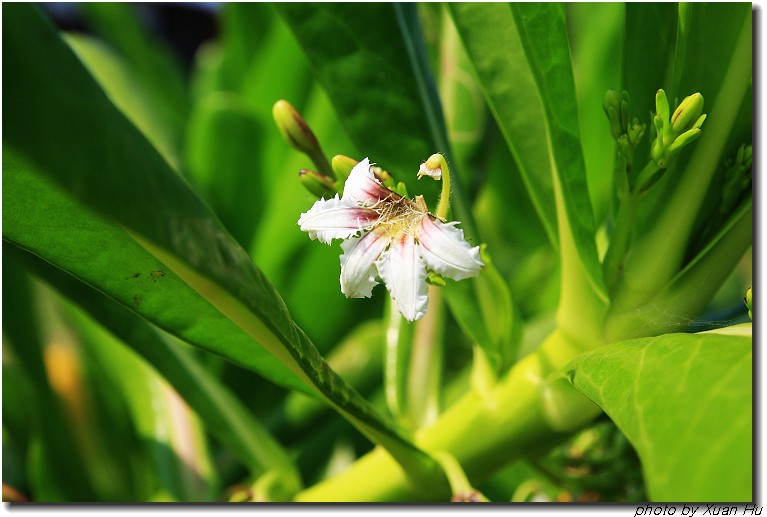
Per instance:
x=524, y=414
x=581, y=311
x=423, y=377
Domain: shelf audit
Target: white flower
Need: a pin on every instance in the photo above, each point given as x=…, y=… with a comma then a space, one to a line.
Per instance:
x=392, y=236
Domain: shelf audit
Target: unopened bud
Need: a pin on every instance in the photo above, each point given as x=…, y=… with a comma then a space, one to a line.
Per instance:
x=747, y=301
x=683, y=140
x=317, y=184
x=682, y=129
x=636, y=132
x=688, y=112
x=294, y=128
x=624, y=112
x=342, y=166
x=699, y=122
x=612, y=107
x=661, y=104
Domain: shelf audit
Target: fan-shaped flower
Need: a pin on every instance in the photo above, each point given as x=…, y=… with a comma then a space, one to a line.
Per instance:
x=391, y=236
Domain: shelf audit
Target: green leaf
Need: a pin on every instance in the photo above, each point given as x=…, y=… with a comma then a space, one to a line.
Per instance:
x=149, y=58
x=120, y=175
x=484, y=310
x=542, y=31
x=225, y=416
x=128, y=93
x=684, y=402
x=491, y=41
x=103, y=256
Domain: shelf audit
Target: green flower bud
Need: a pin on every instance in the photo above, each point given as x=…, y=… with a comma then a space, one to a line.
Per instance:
x=636, y=131
x=624, y=113
x=342, y=166
x=661, y=105
x=689, y=110
x=626, y=149
x=611, y=99
x=317, y=184
x=299, y=135
x=294, y=128
x=699, y=122
x=615, y=122
x=747, y=301
x=682, y=129
x=683, y=140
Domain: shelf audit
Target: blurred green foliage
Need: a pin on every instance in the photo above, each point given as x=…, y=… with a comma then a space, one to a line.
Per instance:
x=169, y=333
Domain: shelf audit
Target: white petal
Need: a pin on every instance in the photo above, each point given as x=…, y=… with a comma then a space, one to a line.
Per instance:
x=358, y=263
x=404, y=274
x=334, y=219
x=424, y=170
x=445, y=250
x=362, y=187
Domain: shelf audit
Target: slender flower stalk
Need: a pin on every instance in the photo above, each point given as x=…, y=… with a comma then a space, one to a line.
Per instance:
x=390, y=237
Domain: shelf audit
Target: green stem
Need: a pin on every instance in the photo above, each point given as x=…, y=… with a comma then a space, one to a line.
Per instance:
x=413, y=365
x=399, y=337
x=523, y=415
x=620, y=240
x=444, y=198
x=425, y=365
x=643, y=177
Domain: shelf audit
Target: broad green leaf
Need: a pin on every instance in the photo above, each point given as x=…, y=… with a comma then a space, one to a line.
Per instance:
x=358, y=358
x=120, y=175
x=543, y=34
x=225, y=417
x=105, y=257
x=129, y=94
x=493, y=45
x=684, y=402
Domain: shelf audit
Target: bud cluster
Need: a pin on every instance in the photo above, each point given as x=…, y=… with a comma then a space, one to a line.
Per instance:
x=677, y=131
x=627, y=133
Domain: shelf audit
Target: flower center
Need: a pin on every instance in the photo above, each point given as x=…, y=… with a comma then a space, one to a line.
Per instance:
x=398, y=216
